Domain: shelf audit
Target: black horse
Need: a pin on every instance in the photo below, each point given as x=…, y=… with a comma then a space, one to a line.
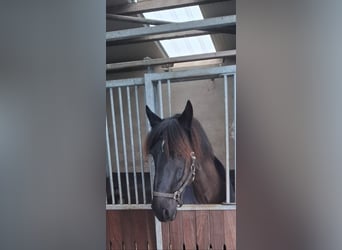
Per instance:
x=186, y=169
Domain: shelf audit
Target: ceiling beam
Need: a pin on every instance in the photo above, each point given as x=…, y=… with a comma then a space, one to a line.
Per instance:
x=205, y=24
x=133, y=19
x=226, y=30
x=154, y=5
x=163, y=61
x=158, y=37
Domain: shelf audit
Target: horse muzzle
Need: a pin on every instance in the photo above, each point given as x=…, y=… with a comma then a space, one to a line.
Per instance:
x=164, y=209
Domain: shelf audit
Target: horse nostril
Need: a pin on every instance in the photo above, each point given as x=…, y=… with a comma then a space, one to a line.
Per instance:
x=165, y=213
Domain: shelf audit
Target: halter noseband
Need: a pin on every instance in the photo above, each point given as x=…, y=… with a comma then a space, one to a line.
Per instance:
x=177, y=195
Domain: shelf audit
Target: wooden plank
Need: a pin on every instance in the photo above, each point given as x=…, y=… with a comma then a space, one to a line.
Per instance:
x=202, y=229
x=114, y=239
x=230, y=229
x=126, y=227
x=189, y=229
x=108, y=232
x=146, y=6
x=140, y=228
x=151, y=232
x=166, y=235
x=176, y=232
x=216, y=219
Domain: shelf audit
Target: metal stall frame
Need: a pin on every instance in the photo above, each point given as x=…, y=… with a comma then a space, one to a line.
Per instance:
x=153, y=98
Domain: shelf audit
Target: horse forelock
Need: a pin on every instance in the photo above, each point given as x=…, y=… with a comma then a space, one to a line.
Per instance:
x=178, y=142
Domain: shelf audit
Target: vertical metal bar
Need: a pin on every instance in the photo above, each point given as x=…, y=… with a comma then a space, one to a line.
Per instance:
x=140, y=144
x=169, y=95
x=150, y=101
x=160, y=99
x=234, y=85
x=132, y=144
x=159, y=235
x=116, y=144
x=124, y=145
x=226, y=109
x=109, y=159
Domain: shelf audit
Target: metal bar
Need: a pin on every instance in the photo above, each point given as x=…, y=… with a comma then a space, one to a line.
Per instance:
x=124, y=145
x=132, y=144
x=209, y=23
x=169, y=95
x=159, y=234
x=163, y=61
x=160, y=99
x=234, y=85
x=226, y=115
x=150, y=101
x=140, y=144
x=146, y=6
x=173, y=35
x=134, y=19
x=124, y=82
x=109, y=159
x=185, y=207
x=213, y=71
x=115, y=144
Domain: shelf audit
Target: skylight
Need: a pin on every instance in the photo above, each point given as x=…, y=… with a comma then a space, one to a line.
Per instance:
x=188, y=45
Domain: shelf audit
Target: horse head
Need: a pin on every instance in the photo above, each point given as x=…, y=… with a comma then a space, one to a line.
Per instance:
x=175, y=163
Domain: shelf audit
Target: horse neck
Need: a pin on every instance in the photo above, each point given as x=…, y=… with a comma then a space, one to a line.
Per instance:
x=208, y=185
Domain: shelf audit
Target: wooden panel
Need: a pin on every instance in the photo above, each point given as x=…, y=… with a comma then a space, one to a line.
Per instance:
x=136, y=229
x=216, y=219
x=126, y=227
x=130, y=229
x=114, y=233
x=140, y=228
x=176, y=232
x=166, y=235
x=230, y=229
x=189, y=229
x=151, y=231
x=202, y=229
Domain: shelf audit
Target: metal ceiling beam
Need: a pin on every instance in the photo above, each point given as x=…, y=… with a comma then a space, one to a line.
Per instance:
x=154, y=5
x=164, y=61
x=133, y=19
x=158, y=37
x=189, y=33
x=205, y=24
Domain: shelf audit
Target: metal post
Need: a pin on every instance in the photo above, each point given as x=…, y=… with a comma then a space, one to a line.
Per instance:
x=109, y=159
x=115, y=144
x=234, y=78
x=169, y=95
x=150, y=101
x=124, y=145
x=159, y=235
x=140, y=144
x=226, y=109
x=160, y=99
x=132, y=144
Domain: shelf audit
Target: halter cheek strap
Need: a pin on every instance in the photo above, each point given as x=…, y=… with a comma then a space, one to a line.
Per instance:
x=177, y=195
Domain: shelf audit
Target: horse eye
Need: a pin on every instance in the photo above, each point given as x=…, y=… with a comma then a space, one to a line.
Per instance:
x=179, y=173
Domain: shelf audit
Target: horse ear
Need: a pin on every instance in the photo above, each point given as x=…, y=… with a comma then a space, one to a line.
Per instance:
x=185, y=118
x=152, y=117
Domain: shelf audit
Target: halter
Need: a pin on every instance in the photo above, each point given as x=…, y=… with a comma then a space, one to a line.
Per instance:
x=177, y=195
